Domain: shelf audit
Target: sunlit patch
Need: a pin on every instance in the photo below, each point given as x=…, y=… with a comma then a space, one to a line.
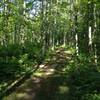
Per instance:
x=64, y=69
x=72, y=61
x=37, y=80
x=20, y=95
x=38, y=74
x=63, y=89
x=28, y=90
x=63, y=46
x=48, y=59
x=68, y=57
x=50, y=71
x=25, y=96
x=42, y=65
x=68, y=52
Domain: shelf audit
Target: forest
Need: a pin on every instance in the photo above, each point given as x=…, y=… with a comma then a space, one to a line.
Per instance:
x=49, y=49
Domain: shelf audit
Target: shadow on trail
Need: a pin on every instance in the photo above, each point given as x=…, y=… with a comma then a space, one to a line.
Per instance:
x=77, y=85
x=53, y=88
x=82, y=83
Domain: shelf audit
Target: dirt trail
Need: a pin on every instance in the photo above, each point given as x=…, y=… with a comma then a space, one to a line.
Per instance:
x=43, y=84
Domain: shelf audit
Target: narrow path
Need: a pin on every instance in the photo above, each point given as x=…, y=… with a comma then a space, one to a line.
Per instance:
x=47, y=82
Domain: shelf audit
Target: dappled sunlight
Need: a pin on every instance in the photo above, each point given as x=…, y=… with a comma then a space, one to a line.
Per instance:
x=36, y=79
x=25, y=96
x=39, y=74
x=44, y=71
x=63, y=89
x=59, y=79
x=41, y=66
x=20, y=95
x=47, y=80
x=50, y=72
x=49, y=50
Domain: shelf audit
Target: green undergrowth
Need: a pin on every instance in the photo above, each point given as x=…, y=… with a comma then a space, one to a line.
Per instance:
x=79, y=79
x=74, y=77
x=15, y=61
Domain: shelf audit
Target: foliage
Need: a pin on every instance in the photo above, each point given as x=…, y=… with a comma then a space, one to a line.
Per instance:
x=30, y=30
x=15, y=61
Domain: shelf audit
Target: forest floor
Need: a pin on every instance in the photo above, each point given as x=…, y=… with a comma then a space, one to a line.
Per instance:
x=47, y=82
x=60, y=77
